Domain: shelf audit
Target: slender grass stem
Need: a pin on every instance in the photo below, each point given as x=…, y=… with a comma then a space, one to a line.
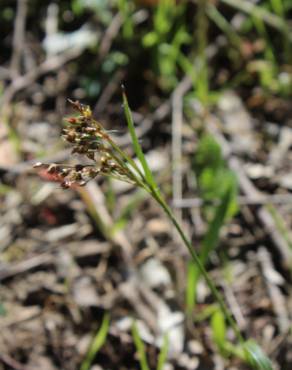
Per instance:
x=127, y=158
x=157, y=196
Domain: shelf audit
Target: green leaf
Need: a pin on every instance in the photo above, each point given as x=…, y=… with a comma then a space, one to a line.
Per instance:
x=259, y=11
x=209, y=244
x=138, y=150
x=212, y=236
x=255, y=356
x=191, y=289
x=97, y=343
x=140, y=348
x=208, y=154
x=219, y=329
x=150, y=39
x=163, y=353
x=214, y=177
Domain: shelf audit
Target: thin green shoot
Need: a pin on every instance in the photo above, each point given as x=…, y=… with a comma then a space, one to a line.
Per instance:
x=250, y=352
x=140, y=347
x=255, y=356
x=138, y=150
x=97, y=342
x=224, y=25
x=191, y=288
x=163, y=353
x=202, y=88
x=209, y=244
x=219, y=329
x=211, y=238
x=128, y=25
x=255, y=10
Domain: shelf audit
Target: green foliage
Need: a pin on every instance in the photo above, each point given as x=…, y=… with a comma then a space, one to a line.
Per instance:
x=201, y=64
x=209, y=244
x=169, y=33
x=163, y=354
x=140, y=348
x=163, y=18
x=268, y=65
x=216, y=183
x=255, y=356
x=126, y=9
x=191, y=288
x=138, y=150
x=166, y=39
x=211, y=238
x=97, y=342
x=113, y=60
x=219, y=330
x=214, y=177
x=249, y=351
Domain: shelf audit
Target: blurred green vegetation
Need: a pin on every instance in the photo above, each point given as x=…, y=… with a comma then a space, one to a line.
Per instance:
x=220, y=45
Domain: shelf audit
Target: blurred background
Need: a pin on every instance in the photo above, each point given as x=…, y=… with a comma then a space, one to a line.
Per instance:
x=209, y=83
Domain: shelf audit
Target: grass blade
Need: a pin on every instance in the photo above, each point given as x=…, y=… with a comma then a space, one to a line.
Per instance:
x=140, y=348
x=191, y=288
x=219, y=330
x=138, y=150
x=212, y=236
x=224, y=25
x=208, y=245
x=269, y=18
x=163, y=353
x=255, y=356
x=97, y=343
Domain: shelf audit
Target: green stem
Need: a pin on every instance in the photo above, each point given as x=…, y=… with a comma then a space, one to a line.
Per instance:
x=126, y=157
x=155, y=193
x=217, y=295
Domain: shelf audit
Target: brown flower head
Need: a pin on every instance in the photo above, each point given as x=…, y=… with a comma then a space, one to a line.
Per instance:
x=89, y=138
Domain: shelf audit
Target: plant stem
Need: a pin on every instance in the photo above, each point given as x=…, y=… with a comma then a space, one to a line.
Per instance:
x=127, y=158
x=217, y=295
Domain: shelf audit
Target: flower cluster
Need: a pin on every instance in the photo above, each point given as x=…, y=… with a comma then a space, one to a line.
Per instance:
x=88, y=137
x=85, y=134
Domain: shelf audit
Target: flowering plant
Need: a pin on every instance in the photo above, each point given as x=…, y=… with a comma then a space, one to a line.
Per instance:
x=89, y=138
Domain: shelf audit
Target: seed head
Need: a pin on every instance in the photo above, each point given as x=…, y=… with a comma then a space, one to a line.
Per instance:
x=89, y=138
